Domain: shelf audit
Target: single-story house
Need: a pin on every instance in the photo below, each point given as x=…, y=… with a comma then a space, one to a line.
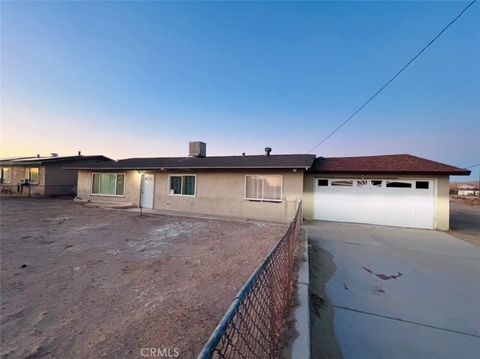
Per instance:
x=42, y=176
x=395, y=190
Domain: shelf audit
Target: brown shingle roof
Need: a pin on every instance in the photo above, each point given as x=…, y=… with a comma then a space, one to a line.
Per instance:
x=27, y=161
x=385, y=164
x=223, y=162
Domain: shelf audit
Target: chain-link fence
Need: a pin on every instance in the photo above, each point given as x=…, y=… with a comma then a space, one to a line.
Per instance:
x=254, y=325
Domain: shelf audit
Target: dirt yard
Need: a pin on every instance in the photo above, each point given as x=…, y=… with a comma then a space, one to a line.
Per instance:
x=465, y=219
x=81, y=282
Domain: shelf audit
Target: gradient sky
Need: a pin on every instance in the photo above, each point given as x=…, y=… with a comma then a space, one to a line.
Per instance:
x=131, y=79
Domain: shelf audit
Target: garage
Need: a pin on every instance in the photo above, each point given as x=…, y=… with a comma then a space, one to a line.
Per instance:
x=392, y=190
x=389, y=202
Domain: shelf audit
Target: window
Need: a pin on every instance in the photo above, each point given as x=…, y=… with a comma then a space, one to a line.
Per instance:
x=183, y=185
x=323, y=182
x=263, y=188
x=120, y=190
x=5, y=175
x=254, y=187
x=33, y=175
x=343, y=183
x=108, y=184
x=362, y=183
x=376, y=183
x=421, y=184
x=398, y=184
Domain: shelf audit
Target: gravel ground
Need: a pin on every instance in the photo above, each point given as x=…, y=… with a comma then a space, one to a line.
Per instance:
x=89, y=283
x=465, y=219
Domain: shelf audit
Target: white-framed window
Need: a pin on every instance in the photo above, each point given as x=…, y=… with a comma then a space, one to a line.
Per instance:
x=342, y=183
x=182, y=185
x=422, y=184
x=33, y=175
x=264, y=187
x=398, y=184
x=5, y=175
x=108, y=184
x=362, y=183
x=322, y=182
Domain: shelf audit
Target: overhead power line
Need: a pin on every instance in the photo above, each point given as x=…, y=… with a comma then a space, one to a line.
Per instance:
x=393, y=78
x=473, y=166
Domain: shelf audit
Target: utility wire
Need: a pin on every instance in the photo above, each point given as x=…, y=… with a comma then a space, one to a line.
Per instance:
x=473, y=166
x=394, y=77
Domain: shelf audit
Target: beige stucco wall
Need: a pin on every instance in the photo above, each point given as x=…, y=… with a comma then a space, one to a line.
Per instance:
x=442, y=201
x=17, y=173
x=217, y=193
x=222, y=193
x=132, y=189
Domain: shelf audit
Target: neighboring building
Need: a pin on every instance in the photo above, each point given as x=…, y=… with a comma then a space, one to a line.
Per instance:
x=395, y=190
x=468, y=190
x=42, y=176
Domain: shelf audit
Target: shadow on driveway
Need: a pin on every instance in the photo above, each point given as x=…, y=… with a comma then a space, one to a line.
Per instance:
x=322, y=268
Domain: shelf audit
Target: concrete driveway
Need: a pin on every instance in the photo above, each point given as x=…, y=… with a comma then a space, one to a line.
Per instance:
x=392, y=293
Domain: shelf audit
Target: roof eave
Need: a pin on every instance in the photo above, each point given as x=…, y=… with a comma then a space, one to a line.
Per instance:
x=429, y=173
x=146, y=168
x=48, y=161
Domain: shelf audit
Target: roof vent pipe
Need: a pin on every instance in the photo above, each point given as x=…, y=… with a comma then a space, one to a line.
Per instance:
x=38, y=155
x=267, y=151
x=243, y=154
x=54, y=154
x=79, y=153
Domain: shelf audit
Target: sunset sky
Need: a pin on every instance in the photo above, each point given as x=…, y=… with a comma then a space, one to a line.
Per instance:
x=129, y=79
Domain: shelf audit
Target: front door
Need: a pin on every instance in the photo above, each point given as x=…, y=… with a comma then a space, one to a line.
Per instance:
x=146, y=194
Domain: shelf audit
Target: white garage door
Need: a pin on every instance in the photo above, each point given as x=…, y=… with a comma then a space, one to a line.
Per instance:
x=401, y=203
